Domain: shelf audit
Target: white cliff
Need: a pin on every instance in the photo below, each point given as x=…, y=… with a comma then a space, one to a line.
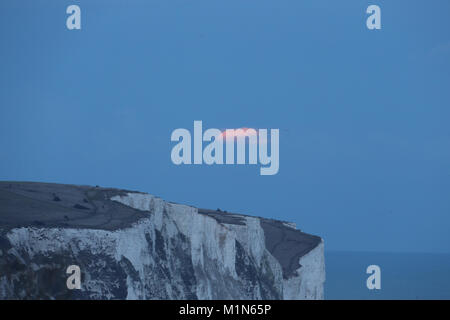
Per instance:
x=169, y=251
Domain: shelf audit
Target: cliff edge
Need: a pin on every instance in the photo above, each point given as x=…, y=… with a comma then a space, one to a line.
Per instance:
x=132, y=245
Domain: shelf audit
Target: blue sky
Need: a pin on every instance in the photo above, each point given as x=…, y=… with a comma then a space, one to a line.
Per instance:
x=363, y=115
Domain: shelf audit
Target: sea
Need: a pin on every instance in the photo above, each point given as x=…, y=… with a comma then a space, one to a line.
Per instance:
x=402, y=275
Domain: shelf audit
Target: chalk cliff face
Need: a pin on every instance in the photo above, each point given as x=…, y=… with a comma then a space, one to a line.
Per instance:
x=132, y=245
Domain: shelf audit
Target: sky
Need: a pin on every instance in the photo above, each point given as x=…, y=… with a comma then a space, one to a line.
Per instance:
x=363, y=114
